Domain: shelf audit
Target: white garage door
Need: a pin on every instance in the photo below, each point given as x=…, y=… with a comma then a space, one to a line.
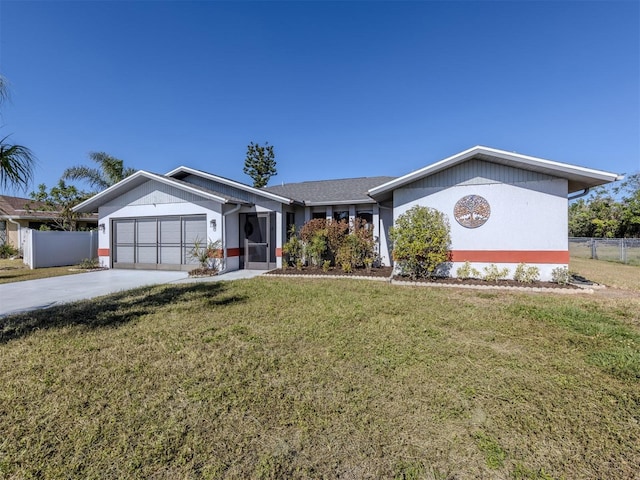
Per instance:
x=157, y=242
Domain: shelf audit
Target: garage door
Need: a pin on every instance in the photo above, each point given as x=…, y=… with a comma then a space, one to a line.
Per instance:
x=157, y=242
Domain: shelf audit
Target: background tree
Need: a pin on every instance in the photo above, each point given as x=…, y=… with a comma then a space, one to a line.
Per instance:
x=59, y=199
x=260, y=163
x=611, y=211
x=16, y=162
x=421, y=238
x=110, y=171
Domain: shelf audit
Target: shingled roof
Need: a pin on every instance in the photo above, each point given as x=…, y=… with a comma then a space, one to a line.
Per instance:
x=330, y=192
x=27, y=209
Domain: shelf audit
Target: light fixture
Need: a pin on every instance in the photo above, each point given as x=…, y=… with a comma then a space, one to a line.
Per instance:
x=101, y=227
x=213, y=224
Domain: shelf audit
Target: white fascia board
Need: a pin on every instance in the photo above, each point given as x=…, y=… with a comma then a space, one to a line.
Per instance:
x=109, y=193
x=341, y=202
x=558, y=167
x=423, y=172
x=232, y=183
x=84, y=206
x=564, y=170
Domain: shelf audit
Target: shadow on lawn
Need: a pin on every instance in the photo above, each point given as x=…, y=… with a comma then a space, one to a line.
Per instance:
x=113, y=310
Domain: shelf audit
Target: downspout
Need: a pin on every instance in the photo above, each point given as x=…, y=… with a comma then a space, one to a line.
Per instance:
x=224, y=240
x=581, y=194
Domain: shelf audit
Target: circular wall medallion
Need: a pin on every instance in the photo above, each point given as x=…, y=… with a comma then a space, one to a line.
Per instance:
x=472, y=211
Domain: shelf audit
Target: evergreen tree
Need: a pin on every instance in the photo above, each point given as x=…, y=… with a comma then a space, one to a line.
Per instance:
x=260, y=163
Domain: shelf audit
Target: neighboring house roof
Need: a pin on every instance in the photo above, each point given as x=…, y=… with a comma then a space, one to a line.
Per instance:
x=142, y=176
x=19, y=208
x=330, y=192
x=579, y=178
x=182, y=172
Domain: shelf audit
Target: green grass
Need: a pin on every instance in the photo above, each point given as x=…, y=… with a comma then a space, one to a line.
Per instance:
x=296, y=378
x=612, y=274
x=16, y=271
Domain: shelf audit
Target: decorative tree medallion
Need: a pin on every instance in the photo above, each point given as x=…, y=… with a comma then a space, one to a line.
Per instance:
x=472, y=211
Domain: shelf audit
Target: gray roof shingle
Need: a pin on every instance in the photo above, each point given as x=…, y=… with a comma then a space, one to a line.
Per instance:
x=327, y=192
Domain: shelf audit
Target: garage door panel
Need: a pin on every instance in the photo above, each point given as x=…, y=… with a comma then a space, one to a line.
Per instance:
x=170, y=230
x=157, y=242
x=170, y=255
x=195, y=230
x=124, y=254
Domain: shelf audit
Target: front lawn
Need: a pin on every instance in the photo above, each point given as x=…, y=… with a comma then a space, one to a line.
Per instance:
x=300, y=378
x=16, y=271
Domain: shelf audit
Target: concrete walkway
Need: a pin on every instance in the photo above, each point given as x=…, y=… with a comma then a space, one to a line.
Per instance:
x=20, y=297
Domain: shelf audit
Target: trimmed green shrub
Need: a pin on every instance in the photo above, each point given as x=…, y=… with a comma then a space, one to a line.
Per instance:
x=467, y=271
x=560, y=275
x=421, y=239
x=492, y=273
x=526, y=274
x=7, y=250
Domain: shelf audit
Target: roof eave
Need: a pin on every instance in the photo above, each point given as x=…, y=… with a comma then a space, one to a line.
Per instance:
x=572, y=173
x=138, y=178
x=232, y=183
x=310, y=203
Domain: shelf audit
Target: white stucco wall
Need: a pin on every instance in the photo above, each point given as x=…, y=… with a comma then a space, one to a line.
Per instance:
x=108, y=212
x=527, y=216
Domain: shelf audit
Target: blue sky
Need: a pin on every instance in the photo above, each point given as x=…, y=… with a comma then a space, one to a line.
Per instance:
x=341, y=89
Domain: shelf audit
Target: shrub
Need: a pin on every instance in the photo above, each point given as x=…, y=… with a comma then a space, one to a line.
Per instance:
x=560, y=275
x=89, y=264
x=310, y=228
x=421, y=239
x=337, y=232
x=493, y=274
x=7, y=250
x=207, y=255
x=526, y=274
x=293, y=248
x=316, y=248
x=467, y=271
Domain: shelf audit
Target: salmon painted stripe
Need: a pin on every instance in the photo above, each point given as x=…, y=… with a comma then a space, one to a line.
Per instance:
x=511, y=256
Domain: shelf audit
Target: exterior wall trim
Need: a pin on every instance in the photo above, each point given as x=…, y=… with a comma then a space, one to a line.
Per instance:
x=510, y=256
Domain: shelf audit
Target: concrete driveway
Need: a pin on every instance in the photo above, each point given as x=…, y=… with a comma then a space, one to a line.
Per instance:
x=46, y=292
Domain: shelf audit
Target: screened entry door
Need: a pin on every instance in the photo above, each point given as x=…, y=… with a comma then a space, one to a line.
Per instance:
x=162, y=243
x=259, y=241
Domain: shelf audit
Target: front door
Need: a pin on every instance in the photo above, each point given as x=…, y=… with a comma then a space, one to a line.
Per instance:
x=258, y=248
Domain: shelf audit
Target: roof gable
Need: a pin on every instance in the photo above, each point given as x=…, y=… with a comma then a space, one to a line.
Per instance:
x=184, y=172
x=141, y=177
x=579, y=178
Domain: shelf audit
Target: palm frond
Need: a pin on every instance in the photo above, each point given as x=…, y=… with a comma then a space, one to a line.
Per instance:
x=16, y=165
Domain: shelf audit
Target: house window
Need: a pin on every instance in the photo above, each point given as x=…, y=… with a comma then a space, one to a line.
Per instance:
x=367, y=217
x=341, y=216
x=3, y=232
x=315, y=215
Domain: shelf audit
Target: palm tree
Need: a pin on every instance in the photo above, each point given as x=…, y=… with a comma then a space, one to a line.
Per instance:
x=16, y=162
x=110, y=171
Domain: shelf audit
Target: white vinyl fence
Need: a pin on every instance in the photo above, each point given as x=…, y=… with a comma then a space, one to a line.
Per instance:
x=56, y=249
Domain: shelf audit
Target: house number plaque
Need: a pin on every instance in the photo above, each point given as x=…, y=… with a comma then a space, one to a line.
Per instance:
x=472, y=211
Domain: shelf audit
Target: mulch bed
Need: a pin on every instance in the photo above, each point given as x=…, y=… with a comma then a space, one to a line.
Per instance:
x=385, y=272
x=486, y=283
x=203, y=272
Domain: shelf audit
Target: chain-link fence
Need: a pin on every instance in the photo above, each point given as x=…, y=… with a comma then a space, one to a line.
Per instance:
x=624, y=250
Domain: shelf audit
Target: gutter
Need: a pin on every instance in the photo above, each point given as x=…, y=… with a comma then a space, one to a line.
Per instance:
x=579, y=195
